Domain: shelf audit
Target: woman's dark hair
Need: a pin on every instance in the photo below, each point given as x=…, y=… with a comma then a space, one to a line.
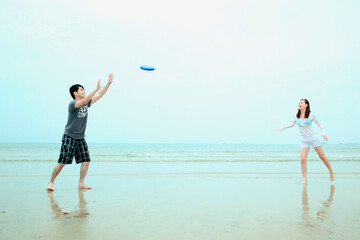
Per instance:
x=307, y=111
x=74, y=88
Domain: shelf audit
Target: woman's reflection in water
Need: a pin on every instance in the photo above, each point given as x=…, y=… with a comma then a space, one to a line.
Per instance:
x=323, y=214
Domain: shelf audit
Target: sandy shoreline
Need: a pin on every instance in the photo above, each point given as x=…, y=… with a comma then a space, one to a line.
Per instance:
x=181, y=206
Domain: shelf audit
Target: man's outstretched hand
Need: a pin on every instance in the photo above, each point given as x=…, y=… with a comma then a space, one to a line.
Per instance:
x=98, y=87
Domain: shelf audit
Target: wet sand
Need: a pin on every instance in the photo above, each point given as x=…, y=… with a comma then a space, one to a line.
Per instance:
x=181, y=205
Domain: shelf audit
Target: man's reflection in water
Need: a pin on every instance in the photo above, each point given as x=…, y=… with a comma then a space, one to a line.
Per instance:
x=81, y=212
x=323, y=214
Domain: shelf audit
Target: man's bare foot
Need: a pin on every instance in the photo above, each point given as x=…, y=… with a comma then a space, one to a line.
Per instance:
x=83, y=186
x=332, y=177
x=50, y=187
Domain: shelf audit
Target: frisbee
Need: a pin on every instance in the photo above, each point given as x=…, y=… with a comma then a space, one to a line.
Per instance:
x=147, y=68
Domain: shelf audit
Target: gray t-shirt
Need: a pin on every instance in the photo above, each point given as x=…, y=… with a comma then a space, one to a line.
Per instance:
x=77, y=120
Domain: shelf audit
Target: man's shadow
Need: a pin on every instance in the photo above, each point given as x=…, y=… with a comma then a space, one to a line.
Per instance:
x=323, y=213
x=81, y=212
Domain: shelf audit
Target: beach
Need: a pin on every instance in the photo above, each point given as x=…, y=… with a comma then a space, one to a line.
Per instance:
x=193, y=118
x=180, y=200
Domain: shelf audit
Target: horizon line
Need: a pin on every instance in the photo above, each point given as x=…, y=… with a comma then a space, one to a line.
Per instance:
x=184, y=143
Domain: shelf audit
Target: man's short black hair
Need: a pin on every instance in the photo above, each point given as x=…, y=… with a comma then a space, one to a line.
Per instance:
x=74, y=88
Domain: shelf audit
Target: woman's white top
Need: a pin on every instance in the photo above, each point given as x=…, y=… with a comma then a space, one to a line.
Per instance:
x=306, y=131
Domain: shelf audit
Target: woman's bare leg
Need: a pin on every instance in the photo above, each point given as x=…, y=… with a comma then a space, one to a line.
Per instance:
x=326, y=161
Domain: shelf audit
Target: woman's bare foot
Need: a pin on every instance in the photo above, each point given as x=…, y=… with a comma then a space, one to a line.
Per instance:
x=50, y=187
x=332, y=177
x=83, y=186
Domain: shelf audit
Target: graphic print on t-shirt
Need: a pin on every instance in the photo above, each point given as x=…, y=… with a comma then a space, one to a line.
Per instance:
x=83, y=111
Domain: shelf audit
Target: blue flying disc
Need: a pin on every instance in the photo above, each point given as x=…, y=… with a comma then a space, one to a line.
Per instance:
x=147, y=68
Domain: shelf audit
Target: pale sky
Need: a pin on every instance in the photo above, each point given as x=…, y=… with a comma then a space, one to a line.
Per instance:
x=226, y=71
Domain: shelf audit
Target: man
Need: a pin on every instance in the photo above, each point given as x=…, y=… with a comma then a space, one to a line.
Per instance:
x=73, y=141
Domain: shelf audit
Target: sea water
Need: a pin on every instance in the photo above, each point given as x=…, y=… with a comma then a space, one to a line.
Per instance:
x=119, y=158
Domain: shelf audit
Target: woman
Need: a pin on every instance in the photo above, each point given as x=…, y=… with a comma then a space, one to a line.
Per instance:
x=304, y=118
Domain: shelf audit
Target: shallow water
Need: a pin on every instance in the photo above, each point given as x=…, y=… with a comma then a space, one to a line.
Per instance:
x=179, y=206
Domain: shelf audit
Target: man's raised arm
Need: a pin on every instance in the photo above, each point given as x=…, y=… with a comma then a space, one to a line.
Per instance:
x=86, y=99
x=103, y=91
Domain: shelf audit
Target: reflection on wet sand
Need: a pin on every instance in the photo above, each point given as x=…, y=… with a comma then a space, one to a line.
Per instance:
x=81, y=212
x=322, y=219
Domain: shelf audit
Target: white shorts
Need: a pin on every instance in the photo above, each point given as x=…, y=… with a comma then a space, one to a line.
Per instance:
x=307, y=143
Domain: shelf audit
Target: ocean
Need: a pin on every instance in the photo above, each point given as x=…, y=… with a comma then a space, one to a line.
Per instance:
x=35, y=159
x=118, y=152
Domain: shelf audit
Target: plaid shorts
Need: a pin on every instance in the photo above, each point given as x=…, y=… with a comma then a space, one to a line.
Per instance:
x=73, y=147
